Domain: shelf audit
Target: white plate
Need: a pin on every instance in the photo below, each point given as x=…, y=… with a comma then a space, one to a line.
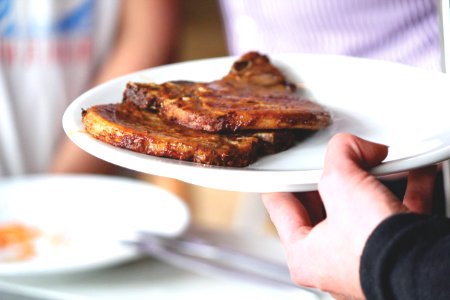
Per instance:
x=92, y=215
x=404, y=107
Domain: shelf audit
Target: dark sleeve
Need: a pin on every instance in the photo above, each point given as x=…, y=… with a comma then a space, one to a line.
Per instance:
x=407, y=257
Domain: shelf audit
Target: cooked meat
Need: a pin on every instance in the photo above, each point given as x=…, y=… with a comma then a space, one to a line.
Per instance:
x=254, y=69
x=278, y=140
x=250, y=112
x=254, y=95
x=144, y=95
x=127, y=126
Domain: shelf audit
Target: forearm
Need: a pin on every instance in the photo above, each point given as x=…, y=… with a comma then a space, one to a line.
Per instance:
x=147, y=37
x=408, y=257
x=71, y=159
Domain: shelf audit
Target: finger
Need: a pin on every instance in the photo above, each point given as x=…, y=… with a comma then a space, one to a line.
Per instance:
x=313, y=205
x=288, y=215
x=419, y=190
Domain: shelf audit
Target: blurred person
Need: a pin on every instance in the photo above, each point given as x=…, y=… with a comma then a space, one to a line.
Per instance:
x=324, y=244
x=404, y=31
x=355, y=239
x=401, y=31
x=53, y=50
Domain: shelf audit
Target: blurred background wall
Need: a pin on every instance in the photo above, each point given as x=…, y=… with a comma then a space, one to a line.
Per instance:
x=202, y=34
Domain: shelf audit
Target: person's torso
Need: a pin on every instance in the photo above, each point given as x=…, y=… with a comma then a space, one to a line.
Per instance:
x=49, y=50
x=404, y=31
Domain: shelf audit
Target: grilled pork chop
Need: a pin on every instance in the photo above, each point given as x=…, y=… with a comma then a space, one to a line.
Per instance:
x=254, y=95
x=127, y=126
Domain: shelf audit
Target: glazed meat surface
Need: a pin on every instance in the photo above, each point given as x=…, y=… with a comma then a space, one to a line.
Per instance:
x=254, y=95
x=127, y=126
x=250, y=112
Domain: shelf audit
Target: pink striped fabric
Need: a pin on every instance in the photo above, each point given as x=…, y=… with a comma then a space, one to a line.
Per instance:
x=405, y=31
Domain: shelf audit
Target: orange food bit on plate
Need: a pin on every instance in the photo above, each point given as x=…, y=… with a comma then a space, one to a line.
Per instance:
x=17, y=241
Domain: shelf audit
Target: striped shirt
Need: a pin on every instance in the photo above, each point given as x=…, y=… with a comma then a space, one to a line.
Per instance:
x=404, y=31
x=49, y=50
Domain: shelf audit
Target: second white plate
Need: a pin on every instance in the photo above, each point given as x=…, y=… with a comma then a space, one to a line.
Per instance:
x=400, y=106
x=84, y=220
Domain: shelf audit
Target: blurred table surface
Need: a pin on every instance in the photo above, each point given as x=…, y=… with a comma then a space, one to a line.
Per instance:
x=145, y=278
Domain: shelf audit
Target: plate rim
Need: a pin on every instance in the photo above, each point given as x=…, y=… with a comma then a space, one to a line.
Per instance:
x=119, y=251
x=302, y=183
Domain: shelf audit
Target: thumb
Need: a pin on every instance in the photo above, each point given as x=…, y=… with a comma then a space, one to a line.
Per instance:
x=349, y=151
x=347, y=162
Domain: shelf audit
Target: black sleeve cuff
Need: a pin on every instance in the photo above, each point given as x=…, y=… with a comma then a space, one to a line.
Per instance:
x=407, y=257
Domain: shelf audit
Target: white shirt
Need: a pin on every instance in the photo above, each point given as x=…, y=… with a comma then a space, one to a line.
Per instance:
x=49, y=51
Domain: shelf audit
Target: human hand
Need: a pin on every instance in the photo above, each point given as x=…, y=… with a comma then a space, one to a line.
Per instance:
x=325, y=252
